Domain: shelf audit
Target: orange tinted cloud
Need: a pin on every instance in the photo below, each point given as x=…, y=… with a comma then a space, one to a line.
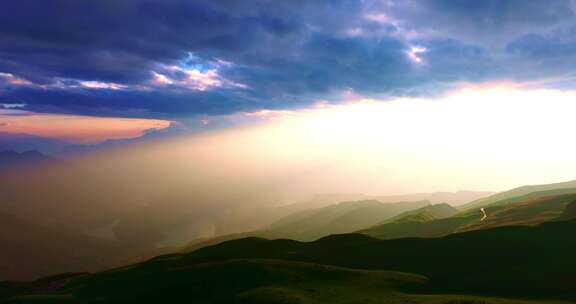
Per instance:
x=77, y=129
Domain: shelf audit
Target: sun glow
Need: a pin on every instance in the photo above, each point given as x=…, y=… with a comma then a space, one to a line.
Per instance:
x=495, y=117
x=509, y=134
x=477, y=138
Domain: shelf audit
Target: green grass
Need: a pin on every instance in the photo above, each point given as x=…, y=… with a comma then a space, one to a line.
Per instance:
x=428, y=213
x=531, y=263
x=530, y=210
x=518, y=261
x=430, y=228
x=250, y=281
x=344, y=217
x=522, y=193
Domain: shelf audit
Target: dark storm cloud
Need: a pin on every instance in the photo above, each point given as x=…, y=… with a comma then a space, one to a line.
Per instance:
x=176, y=58
x=491, y=23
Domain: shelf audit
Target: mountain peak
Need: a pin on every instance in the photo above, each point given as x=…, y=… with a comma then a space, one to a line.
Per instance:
x=11, y=159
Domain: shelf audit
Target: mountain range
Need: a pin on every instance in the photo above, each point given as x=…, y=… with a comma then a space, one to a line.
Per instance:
x=513, y=195
x=507, y=247
x=12, y=160
x=485, y=266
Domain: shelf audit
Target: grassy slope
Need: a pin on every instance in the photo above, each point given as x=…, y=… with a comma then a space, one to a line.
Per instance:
x=508, y=196
x=507, y=261
x=428, y=213
x=312, y=224
x=432, y=228
x=514, y=261
x=248, y=281
x=530, y=209
x=339, y=218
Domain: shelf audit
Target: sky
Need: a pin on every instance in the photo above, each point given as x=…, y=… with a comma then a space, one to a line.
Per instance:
x=479, y=87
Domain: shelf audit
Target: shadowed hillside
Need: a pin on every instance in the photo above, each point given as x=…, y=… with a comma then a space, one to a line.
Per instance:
x=520, y=261
x=243, y=281
x=531, y=262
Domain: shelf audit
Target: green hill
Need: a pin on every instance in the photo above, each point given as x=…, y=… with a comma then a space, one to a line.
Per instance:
x=344, y=217
x=528, y=262
x=428, y=221
x=531, y=209
x=424, y=214
x=243, y=281
x=312, y=224
x=511, y=195
x=515, y=261
x=432, y=228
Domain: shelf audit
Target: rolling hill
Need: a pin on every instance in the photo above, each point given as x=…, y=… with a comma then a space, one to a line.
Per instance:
x=424, y=214
x=432, y=228
x=527, y=262
x=518, y=260
x=427, y=221
x=452, y=198
x=312, y=224
x=344, y=217
x=531, y=209
x=511, y=195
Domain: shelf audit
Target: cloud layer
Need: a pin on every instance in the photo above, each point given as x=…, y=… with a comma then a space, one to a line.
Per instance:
x=179, y=58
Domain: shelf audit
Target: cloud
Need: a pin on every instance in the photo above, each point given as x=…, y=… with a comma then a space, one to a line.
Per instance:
x=490, y=23
x=177, y=58
x=77, y=129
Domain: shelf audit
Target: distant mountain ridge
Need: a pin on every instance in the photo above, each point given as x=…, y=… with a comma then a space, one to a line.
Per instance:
x=12, y=160
x=372, y=217
x=452, y=198
x=530, y=263
x=343, y=217
x=503, y=197
x=426, y=220
x=428, y=213
x=312, y=224
x=531, y=209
